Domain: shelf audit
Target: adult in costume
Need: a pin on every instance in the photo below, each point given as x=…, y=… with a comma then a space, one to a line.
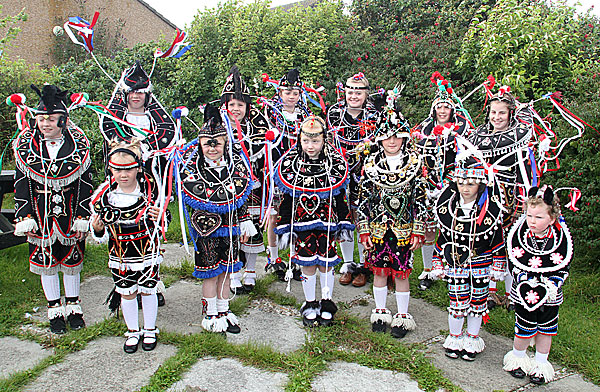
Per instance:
x=52, y=192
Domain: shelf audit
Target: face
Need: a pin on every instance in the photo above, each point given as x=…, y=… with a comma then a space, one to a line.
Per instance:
x=468, y=191
x=237, y=108
x=213, y=148
x=312, y=146
x=442, y=113
x=289, y=97
x=392, y=145
x=48, y=125
x=136, y=101
x=538, y=218
x=499, y=115
x=355, y=99
x=125, y=178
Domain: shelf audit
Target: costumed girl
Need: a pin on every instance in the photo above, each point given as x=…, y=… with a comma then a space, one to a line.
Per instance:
x=391, y=215
x=313, y=215
x=469, y=251
x=285, y=114
x=540, y=250
x=250, y=127
x=215, y=183
x=447, y=116
x=52, y=192
x=126, y=210
x=350, y=122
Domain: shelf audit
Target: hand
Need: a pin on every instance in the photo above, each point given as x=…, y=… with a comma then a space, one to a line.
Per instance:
x=416, y=241
x=493, y=279
x=366, y=241
x=80, y=235
x=97, y=223
x=30, y=234
x=153, y=212
x=244, y=238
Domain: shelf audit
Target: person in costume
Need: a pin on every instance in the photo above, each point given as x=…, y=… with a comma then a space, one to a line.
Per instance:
x=133, y=102
x=446, y=118
x=52, y=192
x=351, y=121
x=391, y=216
x=215, y=183
x=540, y=249
x=249, y=127
x=504, y=140
x=313, y=215
x=125, y=215
x=285, y=115
x=469, y=251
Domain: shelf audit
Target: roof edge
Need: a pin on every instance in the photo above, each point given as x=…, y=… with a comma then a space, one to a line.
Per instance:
x=161, y=16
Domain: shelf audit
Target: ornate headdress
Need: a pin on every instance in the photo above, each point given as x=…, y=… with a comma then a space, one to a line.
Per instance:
x=470, y=171
x=359, y=77
x=135, y=79
x=213, y=126
x=443, y=94
x=391, y=121
x=52, y=100
x=235, y=86
x=313, y=126
x=291, y=80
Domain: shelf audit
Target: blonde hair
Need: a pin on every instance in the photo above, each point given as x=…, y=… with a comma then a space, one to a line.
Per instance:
x=362, y=81
x=134, y=146
x=553, y=210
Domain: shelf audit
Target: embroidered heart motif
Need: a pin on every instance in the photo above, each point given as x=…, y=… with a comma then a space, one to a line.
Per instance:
x=205, y=223
x=395, y=205
x=533, y=294
x=309, y=203
x=459, y=254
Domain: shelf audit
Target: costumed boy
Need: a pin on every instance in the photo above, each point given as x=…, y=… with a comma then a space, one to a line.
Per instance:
x=313, y=215
x=351, y=121
x=52, y=192
x=469, y=251
x=540, y=250
x=215, y=183
x=391, y=215
x=126, y=210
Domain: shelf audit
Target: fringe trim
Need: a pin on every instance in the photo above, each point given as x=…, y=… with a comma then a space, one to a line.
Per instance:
x=473, y=344
x=512, y=362
x=232, y=318
x=248, y=228
x=498, y=275
x=454, y=342
x=73, y=309
x=147, y=290
x=149, y=261
x=323, y=194
x=160, y=287
x=425, y=275
x=222, y=268
x=56, y=311
x=219, y=209
x=55, y=183
x=56, y=235
x=24, y=226
x=404, y=320
x=381, y=315
x=284, y=239
x=99, y=240
x=82, y=225
x=542, y=369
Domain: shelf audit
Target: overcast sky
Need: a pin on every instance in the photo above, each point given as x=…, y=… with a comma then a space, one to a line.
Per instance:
x=181, y=12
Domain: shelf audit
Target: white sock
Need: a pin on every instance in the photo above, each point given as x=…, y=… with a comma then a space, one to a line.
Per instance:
x=222, y=305
x=130, y=313
x=309, y=285
x=211, y=306
x=508, y=280
x=361, y=253
x=150, y=309
x=273, y=253
x=327, y=280
x=427, y=253
x=72, y=283
x=347, y=248
x=236, y=280
x=455, y=325
x=380, y=294
x=251, y=262
x=402, y=298
x=541, y=358
x=519, y=353
x=474, y=325
x=51, y=286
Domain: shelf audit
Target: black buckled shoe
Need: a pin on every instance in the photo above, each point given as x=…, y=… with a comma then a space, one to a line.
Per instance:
x=379, y=326
x=398, y=331
x=310, y=313
x=425, y=284
x=160, y=299
x=539, y=380
x=132, y=342
x=328, y=311
x=75, y=316
x=454, y=354
x=467, y=356
x=518, y=373
x=58, y=325
x=149, y=339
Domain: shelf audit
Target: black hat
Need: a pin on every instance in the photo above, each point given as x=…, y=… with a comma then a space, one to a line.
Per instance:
x=135, y=79
x=52, y=100
x=213, y=126
x=235, y=85
x=291, y=80
x=391, y=121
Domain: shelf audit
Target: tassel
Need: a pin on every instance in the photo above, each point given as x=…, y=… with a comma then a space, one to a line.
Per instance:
x=113, y=300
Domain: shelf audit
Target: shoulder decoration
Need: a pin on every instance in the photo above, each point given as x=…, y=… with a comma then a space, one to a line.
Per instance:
x=377, y=170
x=323, y=177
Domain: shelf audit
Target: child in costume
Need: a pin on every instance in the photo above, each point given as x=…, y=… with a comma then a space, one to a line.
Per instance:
x=391, y=214
x=52, y=192
x=313, y=215
x=215, y=182
x=540, y=250
x=351, y=121
x=468, y=252
x=125, y=215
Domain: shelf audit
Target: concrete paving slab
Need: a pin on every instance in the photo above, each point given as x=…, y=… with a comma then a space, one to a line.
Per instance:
x=216, y=375
x=102, y=366
x=571, y=383
x=182, y=312
x=267, y=323
x=352, y=377
x=19, y=355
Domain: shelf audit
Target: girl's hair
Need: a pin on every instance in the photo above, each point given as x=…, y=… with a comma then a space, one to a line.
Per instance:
x=225, y=98
x=362, y=81
x=118, y=149
x=553, y=210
